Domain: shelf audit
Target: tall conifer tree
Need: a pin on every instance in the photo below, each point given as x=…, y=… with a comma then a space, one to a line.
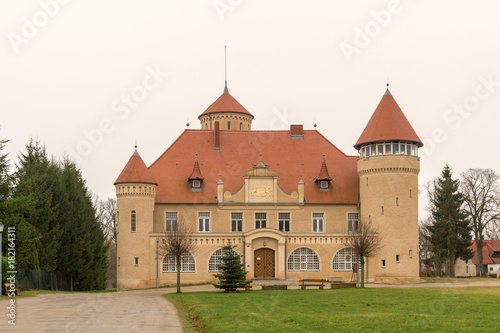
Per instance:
x=450, y=231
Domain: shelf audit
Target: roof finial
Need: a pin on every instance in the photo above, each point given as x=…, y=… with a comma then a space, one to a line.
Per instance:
x=226, y=91
x=187, y=122
x=387, y=92
x=315, y=125
x=196, y=158
x=135, y=146
x=323, y=157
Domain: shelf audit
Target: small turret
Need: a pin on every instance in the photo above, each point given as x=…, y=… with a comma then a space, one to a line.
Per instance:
x=135, y=192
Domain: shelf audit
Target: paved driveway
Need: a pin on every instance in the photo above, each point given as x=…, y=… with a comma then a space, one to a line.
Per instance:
x=129, y=311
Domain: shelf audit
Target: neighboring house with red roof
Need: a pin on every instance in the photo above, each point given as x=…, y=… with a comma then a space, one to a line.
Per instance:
x=287, y=199
x=491, y=260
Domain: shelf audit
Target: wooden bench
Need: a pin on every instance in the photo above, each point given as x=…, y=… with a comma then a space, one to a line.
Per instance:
x=248, y=286
x=7, y=289
x=312, y=283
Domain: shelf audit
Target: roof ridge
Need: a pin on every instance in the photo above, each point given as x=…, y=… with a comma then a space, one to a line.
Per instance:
x=171, y=145
x=334, y=145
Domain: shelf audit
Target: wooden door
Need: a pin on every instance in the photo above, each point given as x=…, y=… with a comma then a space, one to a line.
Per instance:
x=263, y=263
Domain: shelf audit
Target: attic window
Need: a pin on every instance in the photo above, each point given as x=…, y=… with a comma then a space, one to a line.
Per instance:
x=195, y=183
x=323, y=184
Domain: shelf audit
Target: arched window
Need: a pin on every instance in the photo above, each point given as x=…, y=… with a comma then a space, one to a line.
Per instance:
x=228, y=125
x=303, y=259
x=214, y=262
x=241, y=126
x=344, y=259
x=206, y=126
x=187, y=263
x=132, y=221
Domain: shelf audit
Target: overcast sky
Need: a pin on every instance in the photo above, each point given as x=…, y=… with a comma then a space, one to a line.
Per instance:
x=89, y=78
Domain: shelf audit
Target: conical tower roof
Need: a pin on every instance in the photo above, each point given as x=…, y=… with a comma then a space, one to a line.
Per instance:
x=135, y=171
x=226, y=103
x=388, y=123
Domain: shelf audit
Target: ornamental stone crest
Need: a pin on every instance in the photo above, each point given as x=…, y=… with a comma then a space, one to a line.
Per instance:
x=260, y=190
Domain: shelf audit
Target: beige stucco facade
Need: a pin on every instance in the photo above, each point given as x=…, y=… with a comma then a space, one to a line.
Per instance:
x=383, y=180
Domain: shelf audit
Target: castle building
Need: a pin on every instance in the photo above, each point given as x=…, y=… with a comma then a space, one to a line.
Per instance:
x=289, y=200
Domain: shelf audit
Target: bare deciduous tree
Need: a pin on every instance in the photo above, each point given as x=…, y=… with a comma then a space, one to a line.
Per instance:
x=481, y=190
x=177, y=243
x=365, y=241
x=107, y=214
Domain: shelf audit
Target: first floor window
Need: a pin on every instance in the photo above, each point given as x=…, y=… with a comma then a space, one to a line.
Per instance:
x=397, y=257
x=171, y=222
x=345, y=259
x=303, y=259
x=236, y=222
x=203, y=222
x=383, y=263
x=317, y=222
x=187, y=263
x=132, y=221
x=215, y=260
x=284, y=222
x=260, y=220
x=136, y=261
x=352, y=222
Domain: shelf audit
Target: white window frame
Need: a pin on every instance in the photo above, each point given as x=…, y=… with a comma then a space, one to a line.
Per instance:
x=352, y=223
x=215, y=260
x=318, y=222
x=282, y=218
x=172, y=221
x=205, y=222
x=303, y=259
x=344, y=259
x=236, y=222
x=188, y=264
x=196, y=183
x=323, y=184
x=260, y=220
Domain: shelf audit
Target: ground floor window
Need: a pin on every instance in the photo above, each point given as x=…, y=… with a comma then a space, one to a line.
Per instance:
x=303, y=259
x=187, y=263
x=344, y=259
x=215, y=260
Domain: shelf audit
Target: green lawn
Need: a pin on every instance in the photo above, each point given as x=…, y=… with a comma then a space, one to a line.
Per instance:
x=474, y=309
x=456, y=280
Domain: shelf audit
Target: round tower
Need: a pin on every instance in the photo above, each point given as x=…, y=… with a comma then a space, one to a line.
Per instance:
x=230, y=114
x=388, y=169
x=135, y=193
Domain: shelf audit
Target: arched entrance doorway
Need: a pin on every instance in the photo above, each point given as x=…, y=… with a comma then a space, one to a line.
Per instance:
x=264, y=263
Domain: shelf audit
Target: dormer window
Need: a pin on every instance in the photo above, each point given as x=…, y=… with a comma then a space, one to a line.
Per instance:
x=196, y=178
x=323, y=179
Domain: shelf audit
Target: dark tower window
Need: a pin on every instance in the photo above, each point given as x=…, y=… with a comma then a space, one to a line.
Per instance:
x=228, y=125
x=382, y=210
x=132, y=221
x=397, y=202
x=241, y=126
x=383, y=263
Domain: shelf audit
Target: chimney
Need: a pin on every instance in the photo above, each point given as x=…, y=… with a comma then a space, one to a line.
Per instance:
x=297, y=131
x=217, y=136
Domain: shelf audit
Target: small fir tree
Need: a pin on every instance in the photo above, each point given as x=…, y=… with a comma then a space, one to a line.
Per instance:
x=232, y=274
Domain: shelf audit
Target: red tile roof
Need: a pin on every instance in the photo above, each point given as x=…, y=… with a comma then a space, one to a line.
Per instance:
x=323, y=173
x=239, y=150
x=388, y=123
x=489, y=248
x=135, y=171
x=196, y=174
x=226, y=103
